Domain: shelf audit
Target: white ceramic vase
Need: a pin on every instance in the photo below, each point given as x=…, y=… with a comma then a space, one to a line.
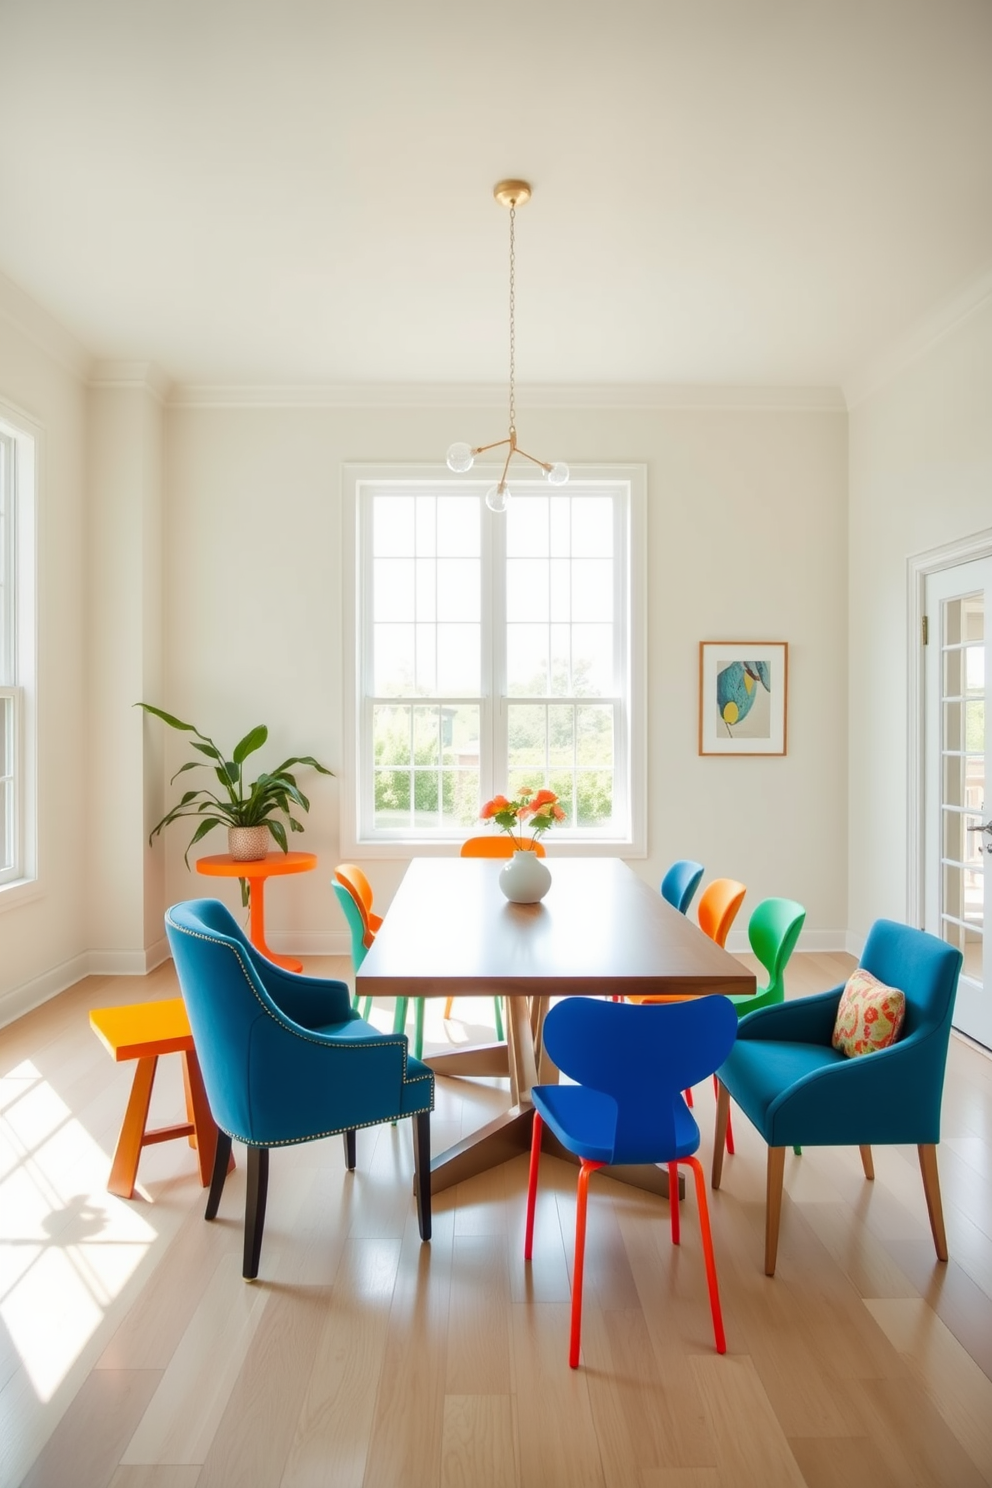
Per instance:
x=525, y=879
x=248, y=844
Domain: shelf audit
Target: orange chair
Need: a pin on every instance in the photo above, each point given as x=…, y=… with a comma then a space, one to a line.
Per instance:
x=718, y=908
x=502, y=846
x=361, y=890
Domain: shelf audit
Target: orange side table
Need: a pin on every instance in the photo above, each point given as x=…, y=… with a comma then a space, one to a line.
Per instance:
x=143, y=1031
x=222, y=865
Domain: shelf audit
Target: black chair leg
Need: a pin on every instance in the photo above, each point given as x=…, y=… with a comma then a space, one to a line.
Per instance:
x=422, y=1170
x=258, y=1186
x=222, y=1159
x=349, y=1149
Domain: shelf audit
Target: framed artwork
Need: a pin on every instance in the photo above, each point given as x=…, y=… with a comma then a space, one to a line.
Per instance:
x=743, y=687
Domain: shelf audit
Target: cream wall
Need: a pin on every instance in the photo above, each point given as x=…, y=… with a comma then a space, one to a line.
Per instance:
x=43, y=933
x=747, y=538
x=920, y=477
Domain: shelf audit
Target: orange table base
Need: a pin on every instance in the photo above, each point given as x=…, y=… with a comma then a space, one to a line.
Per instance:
x=256, y=871
x=144, y=1031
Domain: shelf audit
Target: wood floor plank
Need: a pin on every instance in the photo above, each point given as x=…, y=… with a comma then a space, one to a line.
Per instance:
x=478, y=1442
x=85, y=1447
x=751, y=1447
x=558, y=1442
x=842, y=1462
x=478, y=1356
x=329, y=1447
x=407, y=1425
x=918, y=1447
x=944, y=1369
x=164, y=1475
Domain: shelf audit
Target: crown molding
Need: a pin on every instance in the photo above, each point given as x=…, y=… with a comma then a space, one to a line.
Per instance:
x=481, y=395
x=941, y=322
x=41, y=328
x=144, y=375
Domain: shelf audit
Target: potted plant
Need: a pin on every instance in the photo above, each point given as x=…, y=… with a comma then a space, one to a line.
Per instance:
x=253, y=812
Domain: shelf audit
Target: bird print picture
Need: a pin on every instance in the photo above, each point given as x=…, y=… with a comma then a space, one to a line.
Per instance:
x=742, y=697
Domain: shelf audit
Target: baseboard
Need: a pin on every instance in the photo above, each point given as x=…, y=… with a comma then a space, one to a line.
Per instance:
x=128, y=963
x=26, y=998
x=810, y=940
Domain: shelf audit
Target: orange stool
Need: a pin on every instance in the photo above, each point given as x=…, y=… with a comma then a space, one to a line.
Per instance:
x=143, y=1031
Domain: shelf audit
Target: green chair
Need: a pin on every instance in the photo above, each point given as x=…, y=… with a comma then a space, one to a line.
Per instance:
x=773, y=930
x=361, y=940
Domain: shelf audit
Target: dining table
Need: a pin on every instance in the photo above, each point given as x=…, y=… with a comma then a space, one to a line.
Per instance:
x=600, y=931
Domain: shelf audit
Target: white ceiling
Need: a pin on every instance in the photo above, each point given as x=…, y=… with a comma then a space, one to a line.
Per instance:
x=299, y=191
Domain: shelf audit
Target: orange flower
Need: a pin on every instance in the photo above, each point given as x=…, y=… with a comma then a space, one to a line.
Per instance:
x=498, y=803
x=544, y=798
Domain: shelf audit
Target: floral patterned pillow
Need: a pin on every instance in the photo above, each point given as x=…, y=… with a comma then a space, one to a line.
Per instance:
x=869, y=1016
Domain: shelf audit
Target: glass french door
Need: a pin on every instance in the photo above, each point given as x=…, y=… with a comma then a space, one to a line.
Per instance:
x=958, y=827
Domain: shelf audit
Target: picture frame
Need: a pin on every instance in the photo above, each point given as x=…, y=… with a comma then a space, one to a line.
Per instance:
x=743, y=697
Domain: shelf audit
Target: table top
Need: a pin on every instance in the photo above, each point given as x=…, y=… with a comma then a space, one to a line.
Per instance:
x=222, y=865
x=599, y=928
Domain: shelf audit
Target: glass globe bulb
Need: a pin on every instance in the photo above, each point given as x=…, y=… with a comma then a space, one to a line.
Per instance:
x=460, y=458
x=558, y=474
x=497, y=497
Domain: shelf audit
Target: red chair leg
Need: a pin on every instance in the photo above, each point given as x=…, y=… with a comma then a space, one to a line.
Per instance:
x=535, y=1162
x=704, y=1227
x=688, y=1099
x=673, y=1200
x=586, y=1169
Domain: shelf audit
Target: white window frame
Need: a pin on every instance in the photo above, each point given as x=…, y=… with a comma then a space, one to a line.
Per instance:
x=20, y=437
x=629, y=483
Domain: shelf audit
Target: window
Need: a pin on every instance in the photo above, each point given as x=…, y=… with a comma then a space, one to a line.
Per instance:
x=493, y=652
x=16, y=646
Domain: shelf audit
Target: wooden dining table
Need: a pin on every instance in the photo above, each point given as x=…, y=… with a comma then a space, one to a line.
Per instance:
x=599, y=931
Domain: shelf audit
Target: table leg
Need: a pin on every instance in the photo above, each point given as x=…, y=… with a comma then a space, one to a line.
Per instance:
x=256, y=932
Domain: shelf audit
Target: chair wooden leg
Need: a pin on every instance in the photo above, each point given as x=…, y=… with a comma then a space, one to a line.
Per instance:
x=931, y=1187
x=773, y=1205
x=867, y=1162
x=222, y=1166
x=586, y=1170
x=422, y=1170
x=258, y=1187
x=350, y=1155
x=535, y=1163
x=720, y=1135
x=124, y=1169
x=708, y=1256
x=673, y=1201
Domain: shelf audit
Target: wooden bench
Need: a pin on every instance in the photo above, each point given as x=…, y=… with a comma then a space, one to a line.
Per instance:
x=144, y=1031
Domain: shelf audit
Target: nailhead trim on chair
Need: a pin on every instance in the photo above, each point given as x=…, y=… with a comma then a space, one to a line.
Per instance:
x=298, y=1031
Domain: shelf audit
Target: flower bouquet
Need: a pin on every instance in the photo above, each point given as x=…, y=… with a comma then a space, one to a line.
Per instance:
x=536, y=810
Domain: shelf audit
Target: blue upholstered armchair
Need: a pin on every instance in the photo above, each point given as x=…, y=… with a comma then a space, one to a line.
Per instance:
x=798, y=1090
x=286, y=1059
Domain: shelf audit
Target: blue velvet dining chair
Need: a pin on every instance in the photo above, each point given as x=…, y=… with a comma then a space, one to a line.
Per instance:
x=631, y=1065
x=796, y=1088
x=680, y=883
x=286, y=1059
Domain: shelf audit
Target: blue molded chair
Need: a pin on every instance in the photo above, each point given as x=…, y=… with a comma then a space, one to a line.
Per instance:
x=286, y=1059
x=795, y=1087
x=632, y=1064
x=680, y=883
x=362, y=932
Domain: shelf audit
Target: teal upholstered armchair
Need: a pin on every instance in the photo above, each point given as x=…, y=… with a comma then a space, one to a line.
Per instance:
x=798, y=1090
x=286, y=1059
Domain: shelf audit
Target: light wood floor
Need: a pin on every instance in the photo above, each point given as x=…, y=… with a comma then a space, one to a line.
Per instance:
x=132, y=1353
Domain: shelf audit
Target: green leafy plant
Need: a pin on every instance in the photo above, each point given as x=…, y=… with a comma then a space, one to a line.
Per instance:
x=238, y=804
